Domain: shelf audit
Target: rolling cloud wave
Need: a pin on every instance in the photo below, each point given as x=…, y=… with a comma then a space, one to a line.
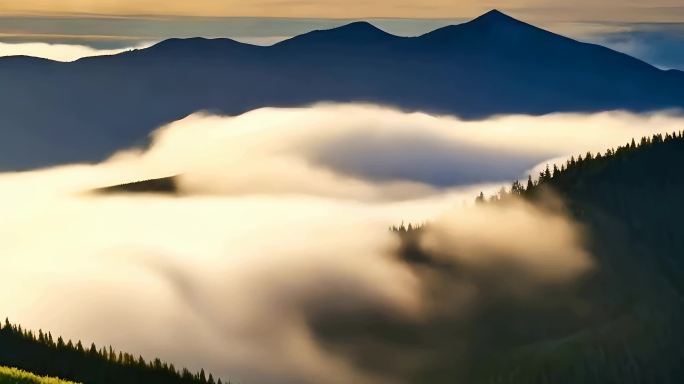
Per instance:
x=279, y=234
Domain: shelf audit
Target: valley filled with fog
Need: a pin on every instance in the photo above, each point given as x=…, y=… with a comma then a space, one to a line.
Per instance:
x=281, y=220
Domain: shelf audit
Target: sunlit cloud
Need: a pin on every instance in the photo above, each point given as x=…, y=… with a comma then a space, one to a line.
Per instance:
x=551, y=254
x=281, y=224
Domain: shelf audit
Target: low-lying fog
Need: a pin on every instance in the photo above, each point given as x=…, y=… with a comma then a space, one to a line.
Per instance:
x=282, y=218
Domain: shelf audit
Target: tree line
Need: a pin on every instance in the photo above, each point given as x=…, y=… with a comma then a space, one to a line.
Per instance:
x=589, y=160
x=42, y=354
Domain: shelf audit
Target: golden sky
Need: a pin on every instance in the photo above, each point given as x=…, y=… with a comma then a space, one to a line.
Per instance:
x=618, y=10
x=276, y=8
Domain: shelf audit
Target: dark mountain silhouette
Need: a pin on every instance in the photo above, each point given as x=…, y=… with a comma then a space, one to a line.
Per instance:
x=84, y=110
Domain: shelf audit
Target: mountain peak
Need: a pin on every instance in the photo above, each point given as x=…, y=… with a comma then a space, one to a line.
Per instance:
x=359, y=32
x=355, y=30
x=495, y=17
x=359, y=26
x=492, y=23
x=494, y=13
x=184, y=49
x=195, y=45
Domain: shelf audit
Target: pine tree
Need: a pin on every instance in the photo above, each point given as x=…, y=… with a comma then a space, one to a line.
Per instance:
x=502, y=193
x=516, y=188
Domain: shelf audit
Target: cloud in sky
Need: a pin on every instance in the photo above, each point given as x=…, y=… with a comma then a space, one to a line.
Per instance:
x=660, y=45
x=280, y=230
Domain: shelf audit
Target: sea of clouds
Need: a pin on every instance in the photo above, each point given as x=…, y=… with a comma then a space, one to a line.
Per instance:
x=280, y=226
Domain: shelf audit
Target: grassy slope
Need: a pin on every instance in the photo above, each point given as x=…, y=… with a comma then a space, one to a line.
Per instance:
x=17, y=376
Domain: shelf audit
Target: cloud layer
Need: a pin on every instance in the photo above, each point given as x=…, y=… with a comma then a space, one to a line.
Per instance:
x=279, y=235
x=59, y=52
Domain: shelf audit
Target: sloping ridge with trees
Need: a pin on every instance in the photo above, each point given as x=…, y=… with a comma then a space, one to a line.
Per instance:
x=41, y=354
x=628, y=329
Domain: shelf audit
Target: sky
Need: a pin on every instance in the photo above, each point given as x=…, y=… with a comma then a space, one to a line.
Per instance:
x=615, y=10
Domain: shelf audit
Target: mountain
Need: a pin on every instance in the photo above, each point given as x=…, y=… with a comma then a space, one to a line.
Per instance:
x=84, y=110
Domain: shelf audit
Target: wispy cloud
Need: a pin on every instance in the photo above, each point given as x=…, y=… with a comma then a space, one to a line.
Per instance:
x=658, y=44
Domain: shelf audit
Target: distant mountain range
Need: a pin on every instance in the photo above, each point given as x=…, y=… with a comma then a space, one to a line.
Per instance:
x=56, y=112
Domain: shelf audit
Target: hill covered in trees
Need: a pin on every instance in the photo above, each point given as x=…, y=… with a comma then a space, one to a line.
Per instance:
x=44, y=355
x=620, y=324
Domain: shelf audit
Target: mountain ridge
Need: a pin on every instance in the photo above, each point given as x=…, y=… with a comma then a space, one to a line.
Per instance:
x=352, y=31
x=491, y=65
x=492, y=18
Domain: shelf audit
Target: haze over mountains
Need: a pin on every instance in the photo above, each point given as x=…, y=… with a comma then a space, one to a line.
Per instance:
x=83, y=111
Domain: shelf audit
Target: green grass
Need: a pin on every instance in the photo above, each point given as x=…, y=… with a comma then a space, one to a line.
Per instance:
x=17, y=376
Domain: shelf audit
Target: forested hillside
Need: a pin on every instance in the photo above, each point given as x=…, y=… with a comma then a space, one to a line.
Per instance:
x=628, y=326
x=42, y=354
x=630, y=202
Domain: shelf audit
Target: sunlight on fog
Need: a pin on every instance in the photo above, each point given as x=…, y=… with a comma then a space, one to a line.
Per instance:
x=284, y=214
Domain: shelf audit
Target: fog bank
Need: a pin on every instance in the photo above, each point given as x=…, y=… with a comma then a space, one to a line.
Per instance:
x=281, y=229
